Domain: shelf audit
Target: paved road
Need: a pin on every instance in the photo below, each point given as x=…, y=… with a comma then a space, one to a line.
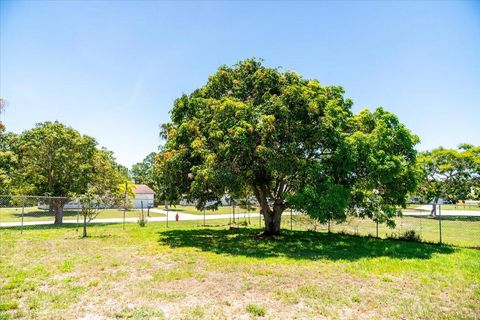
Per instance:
x=426, y=209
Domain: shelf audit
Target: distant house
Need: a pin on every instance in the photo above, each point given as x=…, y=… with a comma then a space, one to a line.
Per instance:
x=144, y=196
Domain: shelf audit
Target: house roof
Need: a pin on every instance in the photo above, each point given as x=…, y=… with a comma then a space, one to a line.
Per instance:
x=142, y=189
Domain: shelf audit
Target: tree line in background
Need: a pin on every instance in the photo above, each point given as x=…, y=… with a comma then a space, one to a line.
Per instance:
x=254, y=132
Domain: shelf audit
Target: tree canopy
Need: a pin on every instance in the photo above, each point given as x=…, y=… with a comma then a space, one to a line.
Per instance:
x=288, y=139
x=8, y=161
x=56, y=160
x=453, y=174
x=145, y=173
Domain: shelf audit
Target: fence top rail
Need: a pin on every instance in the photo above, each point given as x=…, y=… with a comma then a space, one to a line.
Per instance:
x=34, y=197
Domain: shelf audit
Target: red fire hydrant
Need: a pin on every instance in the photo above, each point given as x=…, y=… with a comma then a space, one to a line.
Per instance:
x=176, y=217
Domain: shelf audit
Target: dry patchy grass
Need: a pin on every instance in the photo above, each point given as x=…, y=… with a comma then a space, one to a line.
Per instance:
x=215, y=273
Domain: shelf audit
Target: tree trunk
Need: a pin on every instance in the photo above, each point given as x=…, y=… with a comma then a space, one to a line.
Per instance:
x=273, y=219
x=272, y=216
x=58, y=209
x=84, y=225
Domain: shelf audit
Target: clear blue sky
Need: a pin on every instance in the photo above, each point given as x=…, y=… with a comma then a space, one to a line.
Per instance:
x=112, y=69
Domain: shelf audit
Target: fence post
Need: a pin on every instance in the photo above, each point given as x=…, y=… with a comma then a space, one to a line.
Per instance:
x=291, y=219
x=166, y=205
x=204, y=217
x=23, y=212
x=260, y=219
x=125, y=205
x=78, y=217
x=421, y=226
x=440, y=221
x=377, y=227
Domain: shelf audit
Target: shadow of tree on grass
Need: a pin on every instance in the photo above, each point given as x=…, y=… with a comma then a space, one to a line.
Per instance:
x=306, y=245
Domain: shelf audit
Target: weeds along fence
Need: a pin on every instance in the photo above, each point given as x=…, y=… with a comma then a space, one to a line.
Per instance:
x=455, y=225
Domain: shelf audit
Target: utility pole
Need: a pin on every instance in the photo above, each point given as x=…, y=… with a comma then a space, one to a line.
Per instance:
x=291, y=219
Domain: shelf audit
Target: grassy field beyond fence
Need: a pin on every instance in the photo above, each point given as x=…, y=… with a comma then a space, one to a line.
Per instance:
x=460, y=231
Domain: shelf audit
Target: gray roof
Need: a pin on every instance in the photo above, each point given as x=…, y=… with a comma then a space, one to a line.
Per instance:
x=142, y=189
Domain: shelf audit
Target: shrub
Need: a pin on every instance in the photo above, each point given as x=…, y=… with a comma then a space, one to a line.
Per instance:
x=142, y=222
x=410, y=235
x=256, y=310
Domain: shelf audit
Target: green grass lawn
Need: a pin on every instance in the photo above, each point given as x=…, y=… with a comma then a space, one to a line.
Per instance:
x=35, y=214
x=220, y=210
x=188, y=272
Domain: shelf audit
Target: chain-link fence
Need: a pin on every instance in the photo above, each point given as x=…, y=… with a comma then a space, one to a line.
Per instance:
x=449, y=224
x=20, y=213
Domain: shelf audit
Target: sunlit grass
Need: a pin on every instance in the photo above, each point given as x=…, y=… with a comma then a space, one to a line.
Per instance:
x=190, y=272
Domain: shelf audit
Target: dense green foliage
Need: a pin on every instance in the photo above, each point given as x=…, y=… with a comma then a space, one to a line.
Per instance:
x=291, y=141
x=453, y=174
x=55, y=160
x=8, y=160
x=143, y=172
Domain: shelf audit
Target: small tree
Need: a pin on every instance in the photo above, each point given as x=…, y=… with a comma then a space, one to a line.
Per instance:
x=126, y=195
x=96, y=199
x=91, y=205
